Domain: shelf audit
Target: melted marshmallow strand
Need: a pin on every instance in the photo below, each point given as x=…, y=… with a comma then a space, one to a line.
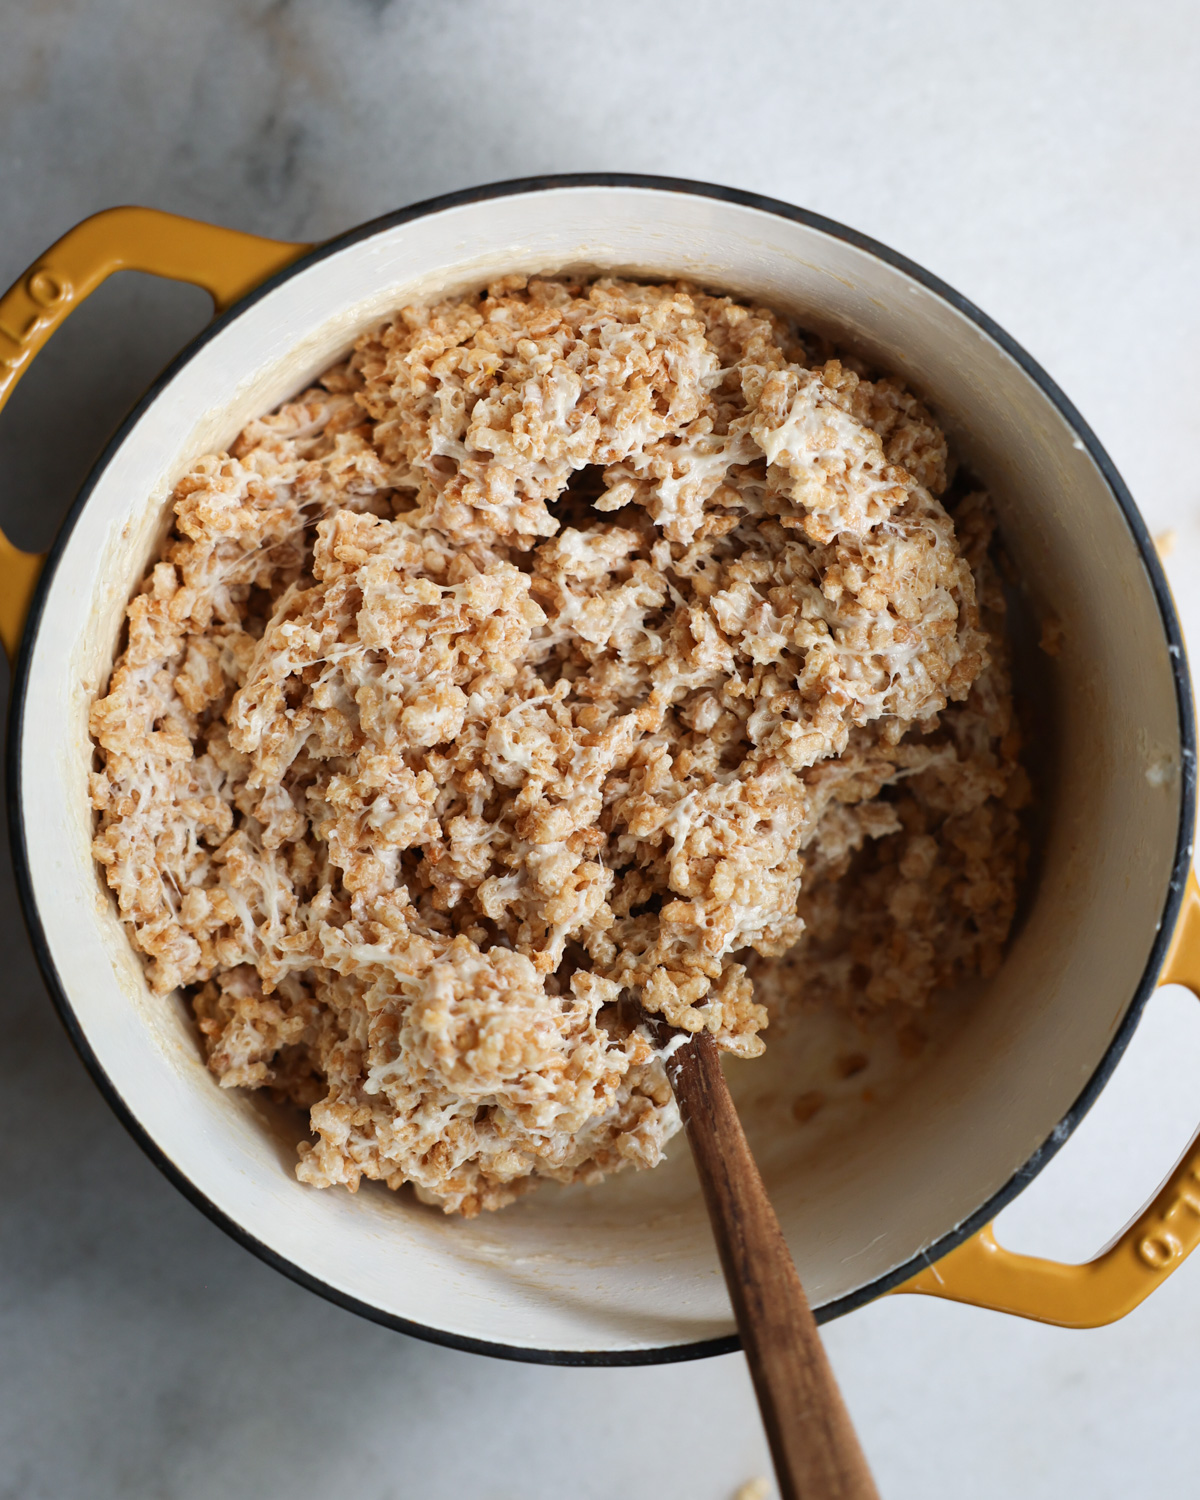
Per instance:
x=516, y=671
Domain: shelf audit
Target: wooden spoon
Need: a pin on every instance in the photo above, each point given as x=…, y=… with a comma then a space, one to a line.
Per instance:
x=813, y=1443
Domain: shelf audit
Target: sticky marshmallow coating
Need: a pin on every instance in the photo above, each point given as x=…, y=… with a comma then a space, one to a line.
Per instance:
x=503, y=679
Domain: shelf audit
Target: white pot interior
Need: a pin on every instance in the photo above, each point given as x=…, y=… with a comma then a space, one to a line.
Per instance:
x=629, y=1265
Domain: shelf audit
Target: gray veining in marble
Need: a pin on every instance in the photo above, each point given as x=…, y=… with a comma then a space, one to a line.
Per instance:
x=1039, y=156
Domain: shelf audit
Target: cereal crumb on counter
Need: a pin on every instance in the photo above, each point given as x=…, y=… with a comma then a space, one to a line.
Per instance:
x=754, y=1489
x=570, y=643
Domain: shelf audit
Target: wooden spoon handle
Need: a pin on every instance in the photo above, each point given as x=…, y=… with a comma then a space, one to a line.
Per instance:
x=812, y=1440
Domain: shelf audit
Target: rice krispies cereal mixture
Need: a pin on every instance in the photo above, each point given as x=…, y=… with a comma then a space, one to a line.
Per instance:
x=569, y=644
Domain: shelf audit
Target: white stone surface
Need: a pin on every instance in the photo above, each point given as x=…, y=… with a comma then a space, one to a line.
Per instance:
x=1042, y=158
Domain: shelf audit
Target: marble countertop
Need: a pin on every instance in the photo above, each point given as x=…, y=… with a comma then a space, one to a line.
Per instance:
x=1039, y=158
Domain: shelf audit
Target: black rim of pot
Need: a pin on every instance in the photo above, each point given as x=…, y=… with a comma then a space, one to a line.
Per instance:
x=1183, y=693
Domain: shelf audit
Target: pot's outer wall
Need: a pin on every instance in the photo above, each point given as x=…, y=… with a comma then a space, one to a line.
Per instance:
x=625, y=1273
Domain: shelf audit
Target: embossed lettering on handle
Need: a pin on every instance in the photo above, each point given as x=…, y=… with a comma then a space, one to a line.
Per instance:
x=1160, y=1248
x=47, y=291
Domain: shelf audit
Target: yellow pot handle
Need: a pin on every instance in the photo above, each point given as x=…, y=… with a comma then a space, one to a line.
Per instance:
x=985, y=1274
x=225, y=262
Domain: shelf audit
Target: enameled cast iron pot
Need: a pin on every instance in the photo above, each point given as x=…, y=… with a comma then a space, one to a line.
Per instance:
x=625, y=1272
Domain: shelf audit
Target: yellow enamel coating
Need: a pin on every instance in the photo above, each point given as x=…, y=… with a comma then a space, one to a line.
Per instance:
x=983, y=1273
x=225, y=262
x=19, y=573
